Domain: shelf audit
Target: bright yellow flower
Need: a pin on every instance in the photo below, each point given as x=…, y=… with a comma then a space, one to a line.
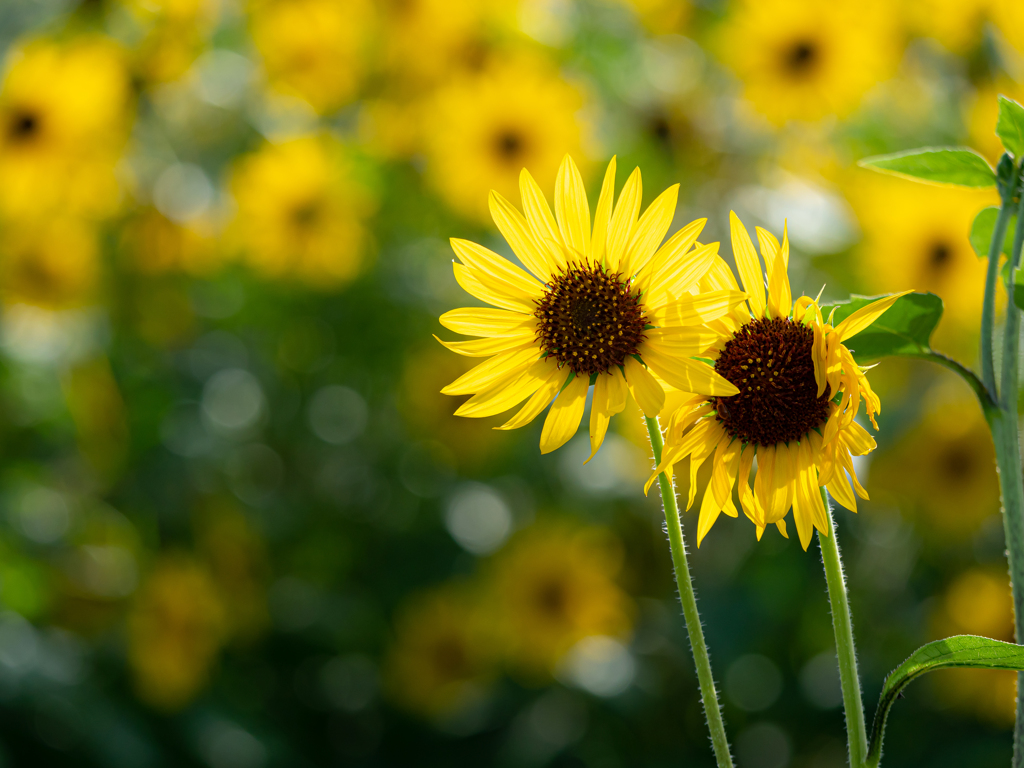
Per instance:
x=314, y=49
x=554, y=584
x=53, y=264
x=444, y=654
x=804, y=59
x=915, y=236
x=483, y=128
x=1008, y=17
x=174, y=632
x=799, y=391
x=604, y=305
x=63, y=122
x=301, y=211
x=956, y=24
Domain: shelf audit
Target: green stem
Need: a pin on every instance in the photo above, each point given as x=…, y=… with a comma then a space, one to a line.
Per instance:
x=988, y=308
x=985, y=398
x=688, y=598
x=842, y=625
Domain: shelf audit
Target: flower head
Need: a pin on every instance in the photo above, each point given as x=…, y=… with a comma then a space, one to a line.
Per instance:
x=799, y=389
x=604, y=306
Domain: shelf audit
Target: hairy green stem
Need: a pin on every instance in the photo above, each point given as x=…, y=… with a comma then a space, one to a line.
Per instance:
x=988, y=308
x=708, y=694
x=846, y=651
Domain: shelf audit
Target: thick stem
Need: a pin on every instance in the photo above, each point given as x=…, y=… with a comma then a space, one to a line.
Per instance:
x=842, y=625
x=988, y=308
x=688, y=598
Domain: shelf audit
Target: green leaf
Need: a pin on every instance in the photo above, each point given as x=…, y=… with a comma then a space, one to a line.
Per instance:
x=959, y=651
x=981, y=232
x=905, y=329
x=1010, y=126
x=1018, y=294
x=936, y=165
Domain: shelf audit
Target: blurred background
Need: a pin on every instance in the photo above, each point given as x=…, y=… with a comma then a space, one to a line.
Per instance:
x=239, y=526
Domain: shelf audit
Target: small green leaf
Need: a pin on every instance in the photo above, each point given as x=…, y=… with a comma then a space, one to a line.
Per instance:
x=936, y=165
x=905, y=329
x=1010, y=126
x=959, y=651
x=981, y=232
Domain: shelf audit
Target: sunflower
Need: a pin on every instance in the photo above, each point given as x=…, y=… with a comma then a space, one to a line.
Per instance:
x=1008, y=17
x=799, y=391
x=803, y=59
x=480, y=129
x=955, y=24
x=604, y=307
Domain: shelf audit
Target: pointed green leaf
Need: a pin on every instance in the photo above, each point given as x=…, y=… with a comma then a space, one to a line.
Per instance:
x=1010, y=126
x=905, y=329
x=958, y=166
x=959, y=651
x=981, y=232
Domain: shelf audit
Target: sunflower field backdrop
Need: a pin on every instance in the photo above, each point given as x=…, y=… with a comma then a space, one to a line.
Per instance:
x=240, y=526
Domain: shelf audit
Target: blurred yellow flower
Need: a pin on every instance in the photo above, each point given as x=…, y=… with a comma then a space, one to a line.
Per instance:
x=956, y=24
x=916, y=237
x=662, y=17
x=553, y=585
x=444, y=652
x=315, y=50
x=984, y=112
x=978, y=602
x=53, y=264
x=175, y=630
x=805, y=60
x=1008, y=17
x=300, y=212
x=63, y=121
x=482, y=129
x=174, y=33
x=154, y=244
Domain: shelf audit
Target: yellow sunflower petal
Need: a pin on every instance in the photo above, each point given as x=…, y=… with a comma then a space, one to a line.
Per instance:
x=713, y=502
x=781, y=525
x=646, y=390
x=747, y=265
x=485, y=375
x=490, y=289
x=623, y=223
x=651, y=230
x=780, y=295
x=539, y=217
x=505, y=394
x=749, y=503
x=764, y=480
x=609, y=398
x=485, y=321
x=540, y=399
x=769, y=245
x=564, y=417
x=865, y=316
x=858, y=440
x=490, y=346
x=571, y=207
x=603, y=215
x=784, y=477
x=692, y=310
x=842, y=493
x=516, y=231
x=808, y=509
x=685, y=374
x=684, y=340
x=678, y=269
x=485, y=260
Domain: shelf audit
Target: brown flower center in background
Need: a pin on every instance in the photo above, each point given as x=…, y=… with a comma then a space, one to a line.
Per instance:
x=801, y=57
x=509, y=145
x=770, y=362
x=590, y=320
x=22, y=126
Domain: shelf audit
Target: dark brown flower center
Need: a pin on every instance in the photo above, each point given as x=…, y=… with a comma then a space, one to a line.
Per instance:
x=590, y=320
x=939, y=255
x=509, y=145
x=800, y=57
x=22, y=126
x=770, y=362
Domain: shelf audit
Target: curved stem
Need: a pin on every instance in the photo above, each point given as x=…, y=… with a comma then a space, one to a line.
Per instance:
x=846, y=651
x=988, y=308
x=985, y=398
x=708, y=694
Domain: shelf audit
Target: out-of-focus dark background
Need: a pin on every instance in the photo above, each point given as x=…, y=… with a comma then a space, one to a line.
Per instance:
x=239, y=526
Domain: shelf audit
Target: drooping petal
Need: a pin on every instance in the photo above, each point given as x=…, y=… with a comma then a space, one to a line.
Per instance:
x=865, y=316
x=609, y=398
x=541, y=399
x=646, y=390
x=751, y=508
x=490, y=289
x=651, y=230
x=490, y=346
x=542, y=223
x=484, y=260
x=490, y=371
x=781, y=493
x=712, y=504
x=506, y=393
x=572, y=210
x=603, y=215
x=516, y=231
x=564, y=417
x=747, y=265
x=685, y=374
x=624, y=220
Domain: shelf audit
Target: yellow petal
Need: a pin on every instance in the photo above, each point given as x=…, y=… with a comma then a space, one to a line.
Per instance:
x=764, y=480
x=603, y=215
x=571, y=207
x=781, y=525
x=485, y=375
x=808, y=510
x=747, y=265
x=564, y=417
x=609, y=398
x=679, y=271
x=865, y=316
x=781, y=494
x=780, y=295
x=684, y=340
x=514, y=227
x=651, y=230
x=491, y=346
x=769, y=245
x=540, y=399
x=842, y=493
x=646, y=390
x=685, y=374
x=484, y=260
x=692, y=310
x=490, y=289
x=623, y=224
x=751, y=508
x=484, y=321
x=506, y=393
x=858, y=440
x=539, y=217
